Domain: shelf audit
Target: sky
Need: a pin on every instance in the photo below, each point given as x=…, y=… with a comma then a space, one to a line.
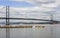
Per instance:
x=40, y=9
x=15, y=3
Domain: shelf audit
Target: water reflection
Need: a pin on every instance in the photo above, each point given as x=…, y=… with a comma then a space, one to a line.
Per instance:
x=47, y=32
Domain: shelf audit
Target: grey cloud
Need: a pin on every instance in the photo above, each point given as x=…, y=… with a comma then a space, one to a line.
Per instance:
x=39, y=2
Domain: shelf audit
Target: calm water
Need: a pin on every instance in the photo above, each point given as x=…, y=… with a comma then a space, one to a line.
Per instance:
x=49, y=31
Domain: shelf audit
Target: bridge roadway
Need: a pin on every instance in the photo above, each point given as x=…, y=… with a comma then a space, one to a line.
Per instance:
x=24, y=19
x=50, y=21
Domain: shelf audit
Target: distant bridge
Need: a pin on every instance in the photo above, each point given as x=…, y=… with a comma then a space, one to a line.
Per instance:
x=49, y=21
x=24, y=19
x=7, y=18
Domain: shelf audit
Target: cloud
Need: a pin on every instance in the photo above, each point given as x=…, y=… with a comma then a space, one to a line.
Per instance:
x=42, y=9
x=45, y=3
x=34, y=0
x=37, y=1
x=29, y=12
x=2, y=11
x=49, y=3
